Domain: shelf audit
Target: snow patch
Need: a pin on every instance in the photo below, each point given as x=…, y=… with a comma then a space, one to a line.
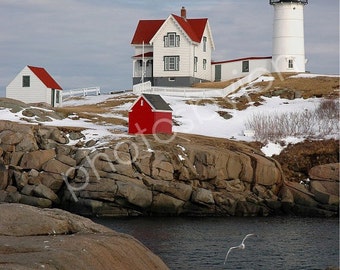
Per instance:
x=181, y=158
x=272, y=149
x=182, y=147
x=311, y=75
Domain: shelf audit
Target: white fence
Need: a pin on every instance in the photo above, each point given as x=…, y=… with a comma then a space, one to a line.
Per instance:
x=176, y=91
x=243, y=81
x=81, y=91
x=196, y=92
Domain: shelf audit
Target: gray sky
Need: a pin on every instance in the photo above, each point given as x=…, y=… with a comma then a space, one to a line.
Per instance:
x=84, y=43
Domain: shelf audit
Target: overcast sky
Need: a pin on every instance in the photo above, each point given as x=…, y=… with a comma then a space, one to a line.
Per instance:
x=84, y=43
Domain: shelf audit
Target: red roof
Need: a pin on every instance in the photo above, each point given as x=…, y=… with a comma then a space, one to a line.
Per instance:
x=45, y=77
x=147, y=54
x=242, y=59
x=193, y=27
x=146, y=29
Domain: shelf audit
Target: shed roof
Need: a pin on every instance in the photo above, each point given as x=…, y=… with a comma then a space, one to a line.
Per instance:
x=45, y=77
x=157, y=102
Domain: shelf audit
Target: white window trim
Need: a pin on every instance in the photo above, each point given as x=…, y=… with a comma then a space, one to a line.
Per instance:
x=204, y=44
x=171, y=63
x=171, y=40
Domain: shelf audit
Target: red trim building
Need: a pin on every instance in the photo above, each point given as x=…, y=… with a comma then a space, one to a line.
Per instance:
x=150, y=114
x=35, y=85
x=172, y=52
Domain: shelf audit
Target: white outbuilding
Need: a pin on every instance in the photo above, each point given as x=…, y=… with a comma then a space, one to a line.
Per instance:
x=35, y=85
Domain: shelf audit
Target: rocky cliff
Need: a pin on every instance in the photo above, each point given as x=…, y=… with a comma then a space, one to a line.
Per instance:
x=151, y=175
x=33, y=238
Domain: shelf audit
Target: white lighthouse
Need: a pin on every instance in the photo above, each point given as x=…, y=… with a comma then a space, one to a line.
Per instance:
x=288, y=52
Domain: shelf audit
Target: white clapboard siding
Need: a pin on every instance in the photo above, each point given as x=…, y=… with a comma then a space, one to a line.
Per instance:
x=184, y=51
x=37, y=92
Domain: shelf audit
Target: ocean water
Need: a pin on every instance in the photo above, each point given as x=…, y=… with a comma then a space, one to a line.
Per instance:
x=202, y=243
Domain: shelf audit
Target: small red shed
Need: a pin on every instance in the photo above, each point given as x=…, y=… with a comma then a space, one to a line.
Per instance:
x=150, y=114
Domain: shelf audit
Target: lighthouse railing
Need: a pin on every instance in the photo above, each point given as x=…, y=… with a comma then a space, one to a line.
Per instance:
x=272, y=2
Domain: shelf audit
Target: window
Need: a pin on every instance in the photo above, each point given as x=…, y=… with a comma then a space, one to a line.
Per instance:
x=25, y=81
x=171, y=40
x=171, y=63
x=195, y=63
x=204, y=44
x=204, y=64
x=290, y=63
x=245, y=66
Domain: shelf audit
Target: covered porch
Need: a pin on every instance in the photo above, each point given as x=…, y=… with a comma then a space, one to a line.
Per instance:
x=143, y=68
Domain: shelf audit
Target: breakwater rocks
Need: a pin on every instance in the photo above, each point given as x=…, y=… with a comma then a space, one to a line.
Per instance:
x=153, y=175
x=33, y=238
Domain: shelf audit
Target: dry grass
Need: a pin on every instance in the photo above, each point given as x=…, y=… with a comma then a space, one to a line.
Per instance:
x=308, y=87
x=114, y=102
x=239, y=103
x=96, y=112
x=202, y=102
x=217, y=85
x=83, y=109
x=283, y=86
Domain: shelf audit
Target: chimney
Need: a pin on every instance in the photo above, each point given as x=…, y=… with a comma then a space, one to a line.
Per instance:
x=184, y=13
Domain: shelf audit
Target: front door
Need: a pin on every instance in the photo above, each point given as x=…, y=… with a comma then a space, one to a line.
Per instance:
x=218, y=73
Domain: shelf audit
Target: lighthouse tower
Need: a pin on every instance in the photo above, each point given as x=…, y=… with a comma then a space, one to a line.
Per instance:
x=288, y=52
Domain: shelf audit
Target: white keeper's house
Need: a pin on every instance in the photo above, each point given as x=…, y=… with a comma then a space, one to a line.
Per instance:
x=177, y=51
x=35, y=85
x=172, y=52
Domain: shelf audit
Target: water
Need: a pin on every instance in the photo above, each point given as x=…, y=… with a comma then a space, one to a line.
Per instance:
x=202, y=243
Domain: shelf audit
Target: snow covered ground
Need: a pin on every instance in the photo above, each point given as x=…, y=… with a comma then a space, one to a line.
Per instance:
x=194, y=118
x=204, y=119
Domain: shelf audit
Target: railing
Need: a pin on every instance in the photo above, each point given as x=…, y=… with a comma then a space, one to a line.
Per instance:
x=243, y=81
x=272, y=2
x=187, y=92
x=176, y=91
x=81, y=91
x=146, y=87
x=141, y=88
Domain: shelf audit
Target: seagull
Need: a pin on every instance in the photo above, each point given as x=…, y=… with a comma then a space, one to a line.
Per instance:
x=240, y=246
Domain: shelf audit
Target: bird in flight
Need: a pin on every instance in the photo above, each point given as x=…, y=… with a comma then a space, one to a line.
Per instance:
x=240, y=246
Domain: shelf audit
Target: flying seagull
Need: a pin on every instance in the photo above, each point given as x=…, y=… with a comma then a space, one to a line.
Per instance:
x=240, y=246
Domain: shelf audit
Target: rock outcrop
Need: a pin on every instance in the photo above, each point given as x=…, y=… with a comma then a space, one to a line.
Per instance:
x=32, y=238
x=324, y=183
x=144, y=175
x=317, y=195
x=298, y=159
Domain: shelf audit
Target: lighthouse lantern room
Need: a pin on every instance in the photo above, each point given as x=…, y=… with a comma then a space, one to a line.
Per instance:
x=288, y=48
